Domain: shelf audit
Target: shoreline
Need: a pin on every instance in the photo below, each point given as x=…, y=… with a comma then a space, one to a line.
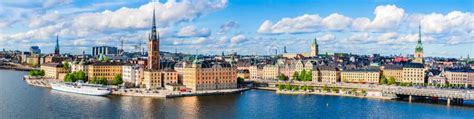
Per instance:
x=331, y=94
x=39, y=82
x=15, y=68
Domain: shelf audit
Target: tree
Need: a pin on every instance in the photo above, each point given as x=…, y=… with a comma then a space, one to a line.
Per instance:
x=364, y=93
x=80, y=75
x=282, y=77
x=325, y=88
x=69, y=78
x=391, y=81
x=288, y=86
x=66, y=66
x=309, y=76
x=117, y=79
x=103, y=81
x=281, y=87
x=240, y=80
x=302, y=76
x=36, y=73
x=295, y=76
x=383, y=79
x=94, y=80
x=335, y=89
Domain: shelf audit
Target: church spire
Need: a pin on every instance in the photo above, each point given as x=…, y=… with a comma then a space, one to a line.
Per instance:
x=419, y=45
x=153, y=35
x=56, y=49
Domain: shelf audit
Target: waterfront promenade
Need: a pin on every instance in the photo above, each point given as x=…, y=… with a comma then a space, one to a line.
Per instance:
x=141, y=92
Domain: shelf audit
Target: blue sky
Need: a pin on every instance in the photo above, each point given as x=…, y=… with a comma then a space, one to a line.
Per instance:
x=245, y=26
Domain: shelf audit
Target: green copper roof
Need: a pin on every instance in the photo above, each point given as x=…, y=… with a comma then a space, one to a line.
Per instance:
x=419, y=45
x=315, y=41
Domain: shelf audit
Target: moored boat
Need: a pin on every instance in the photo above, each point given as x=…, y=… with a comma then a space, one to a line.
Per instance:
x=80, y=88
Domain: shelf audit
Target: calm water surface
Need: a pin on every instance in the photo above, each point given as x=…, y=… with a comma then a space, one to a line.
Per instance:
x=18, y=100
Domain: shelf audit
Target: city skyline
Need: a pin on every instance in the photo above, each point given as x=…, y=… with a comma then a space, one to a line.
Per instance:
x=385, y=27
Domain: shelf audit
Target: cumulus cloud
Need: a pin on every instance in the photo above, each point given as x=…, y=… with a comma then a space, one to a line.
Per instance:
x=91, y=26
x=302, y=24
x=327, y=38
x=193, y=31
x=238, y=39
x=387, y=17
x=336, y=21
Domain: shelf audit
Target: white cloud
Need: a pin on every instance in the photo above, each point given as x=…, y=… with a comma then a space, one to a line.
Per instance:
x=193, y=31
x=336, y=21
x=387, y=17
x=300, y=24
x=238, y=39
x=327, y=38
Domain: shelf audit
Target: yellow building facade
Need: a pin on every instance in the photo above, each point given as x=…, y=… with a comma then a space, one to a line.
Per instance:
x=361, y=76
x=210, y=75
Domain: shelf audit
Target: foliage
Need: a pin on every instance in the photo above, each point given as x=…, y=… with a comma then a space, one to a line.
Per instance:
x=240, y=80
x=282, y=77
x=101, y=80
x=36, y=73
x=75, y=76
x=66, y=66
x=295, y=76
x=364, y=93
x=69, y=78
x=391, y=81
x=302, y=75
x=325, y=88
x=117, y=79
x=281, y=87
x=383, y=79
x=335, y=89
x=308, y=76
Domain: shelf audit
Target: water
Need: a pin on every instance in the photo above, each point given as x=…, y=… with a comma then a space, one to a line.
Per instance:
x=18, y=100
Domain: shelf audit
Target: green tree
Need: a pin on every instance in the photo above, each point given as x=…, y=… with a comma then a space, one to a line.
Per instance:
x=282, y=77
x=295, y=76
x=240, y=80
x=302, y=76
x=66, y=66
x=325, y=88
x=391, y=81
x=364, y=93
x=102, y=80
x=69, y=78
x=281, y=87
x=288, y=86
x=335, y=89
x=383, y=79
x=309, y=76
x=36, y=73
x=117, y=79
x=94, y=80
x=80, y=75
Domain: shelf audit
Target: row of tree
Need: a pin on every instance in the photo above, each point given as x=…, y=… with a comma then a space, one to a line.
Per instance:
x=36, y=73
x=101, y=80
x=389, y=81
x=80, y=75
x=75, y=76
x=303, y=75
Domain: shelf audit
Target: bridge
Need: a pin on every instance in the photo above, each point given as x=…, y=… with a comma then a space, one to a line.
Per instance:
x=451, y=95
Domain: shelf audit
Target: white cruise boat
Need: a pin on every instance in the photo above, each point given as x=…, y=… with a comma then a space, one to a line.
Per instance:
x=80, y=88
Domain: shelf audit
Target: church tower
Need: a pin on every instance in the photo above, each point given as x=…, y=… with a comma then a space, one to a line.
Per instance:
x=419, y=48
x=56, y=49
x=153, y=47
x=314, y=48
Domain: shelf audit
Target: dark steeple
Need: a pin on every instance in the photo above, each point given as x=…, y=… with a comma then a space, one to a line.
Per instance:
x=56, y=49
x=154, y=34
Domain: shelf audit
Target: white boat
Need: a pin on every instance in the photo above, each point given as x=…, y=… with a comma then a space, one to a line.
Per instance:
x=80, y=88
